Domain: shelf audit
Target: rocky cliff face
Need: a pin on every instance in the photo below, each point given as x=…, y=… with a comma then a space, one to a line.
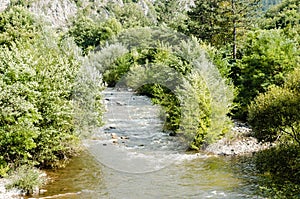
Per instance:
x=4, y=4
x=59, y=12
x=56, y=12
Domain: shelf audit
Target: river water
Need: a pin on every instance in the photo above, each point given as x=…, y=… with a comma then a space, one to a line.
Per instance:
x=131, y=158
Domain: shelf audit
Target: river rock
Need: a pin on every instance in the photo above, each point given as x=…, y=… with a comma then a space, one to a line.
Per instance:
x=239, y=141
x=114, y=136
x=120, y=103
x=115, y=141
x=110, y=128
x=7, y=194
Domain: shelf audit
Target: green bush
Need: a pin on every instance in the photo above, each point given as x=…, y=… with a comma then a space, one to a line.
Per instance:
x=119, y=68
x=27, y=179
x=277, y=112
x=280, y=168
x=37, y=79
x=292, y=81
x=274, y=113
x=37, y=115
x=89, y=33
x=131, y=15
x=181, y=82
x=196, y=110
x=267, y=57
x=87, y=102
x=17, y=23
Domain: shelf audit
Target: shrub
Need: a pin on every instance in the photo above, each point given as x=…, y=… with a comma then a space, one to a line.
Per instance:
x=89, y=33
x=192, y=93
x=119, y=68
x=27, y=179
x=292, y=81
x=87, y=103
x=36, y=102
x=277, y=111
x=131, y=15
x=17, y=23
x=279, y=166
x=267, y=57
x=196, y=110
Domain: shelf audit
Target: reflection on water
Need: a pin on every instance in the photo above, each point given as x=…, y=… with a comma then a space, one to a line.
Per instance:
x=197, y=177
x=80, y=179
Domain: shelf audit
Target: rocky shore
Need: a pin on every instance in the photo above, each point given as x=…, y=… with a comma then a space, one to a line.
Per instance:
x=8, y=194
x=238, y=142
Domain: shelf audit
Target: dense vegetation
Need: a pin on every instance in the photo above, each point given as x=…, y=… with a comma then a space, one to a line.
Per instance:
x=47, y=84
x=38, y=71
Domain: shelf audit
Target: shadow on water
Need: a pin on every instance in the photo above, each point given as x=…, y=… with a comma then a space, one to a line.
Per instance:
x=81, y=178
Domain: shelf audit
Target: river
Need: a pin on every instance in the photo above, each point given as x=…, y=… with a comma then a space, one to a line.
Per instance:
x=131, y=158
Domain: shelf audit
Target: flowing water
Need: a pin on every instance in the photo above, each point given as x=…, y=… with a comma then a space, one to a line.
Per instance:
x=130, y=157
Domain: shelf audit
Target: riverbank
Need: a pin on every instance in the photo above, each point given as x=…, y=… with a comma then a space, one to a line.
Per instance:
x=239, y=141
x=8, y=194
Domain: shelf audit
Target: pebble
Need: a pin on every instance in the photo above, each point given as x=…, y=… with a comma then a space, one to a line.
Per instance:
x=8, y=194
x=114, y=136
x=241, y=143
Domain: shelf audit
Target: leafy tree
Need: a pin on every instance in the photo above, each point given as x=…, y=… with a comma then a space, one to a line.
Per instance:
x=173, y=13
x=284, y=15
x=37, y=78
x=219, y=22
x=37, y=114
x=17, y=23
x=132, y=15
x=267, y=57
x=277, y=111
x=89, y=34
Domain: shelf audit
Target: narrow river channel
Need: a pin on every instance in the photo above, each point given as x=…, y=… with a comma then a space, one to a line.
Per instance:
x=131, y=158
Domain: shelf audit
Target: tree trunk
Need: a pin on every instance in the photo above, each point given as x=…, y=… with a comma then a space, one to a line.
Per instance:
x=234, y=32
x=234, y=41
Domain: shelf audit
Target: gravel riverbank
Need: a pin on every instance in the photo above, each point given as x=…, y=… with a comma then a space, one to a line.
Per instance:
x=238, y=142
x=8, y=194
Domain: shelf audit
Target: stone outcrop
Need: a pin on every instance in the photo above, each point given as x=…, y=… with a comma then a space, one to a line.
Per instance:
x=4, y=4
x=55, y=12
